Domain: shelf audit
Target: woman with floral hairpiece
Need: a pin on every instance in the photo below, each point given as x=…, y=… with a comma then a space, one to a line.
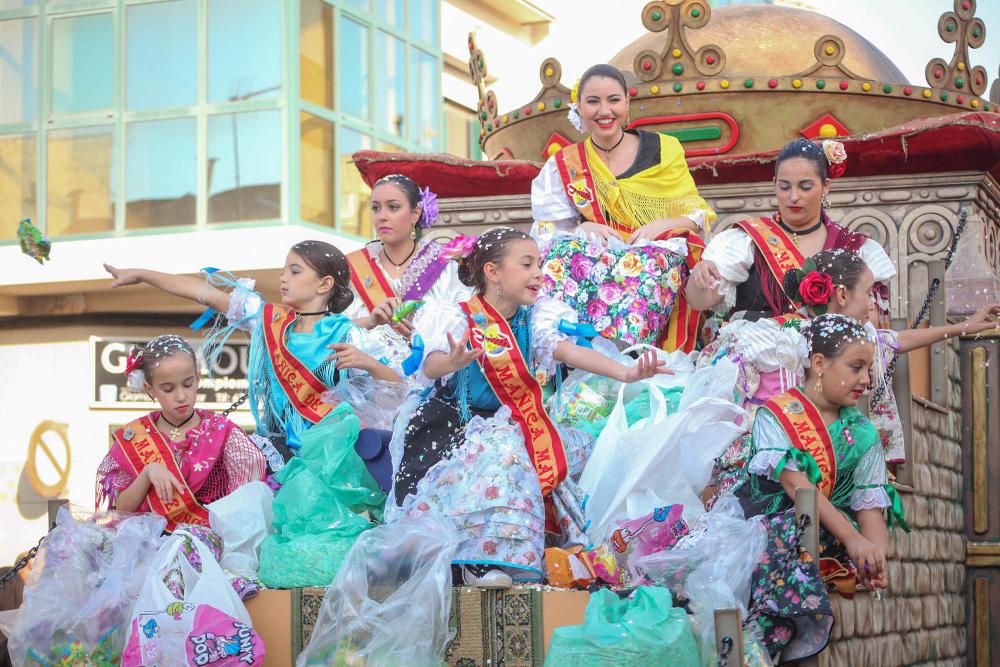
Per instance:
x=620, y=185
x=398, y=267
x=742, y=271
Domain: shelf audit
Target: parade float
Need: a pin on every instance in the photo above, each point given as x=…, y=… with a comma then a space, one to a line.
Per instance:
x=733, y=84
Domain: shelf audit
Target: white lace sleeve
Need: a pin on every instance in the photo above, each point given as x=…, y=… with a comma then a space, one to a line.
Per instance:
x=870, y=479
x=697, y=216
x=770, y=444
x=245, y=306
x=546, y=315
x=732, y=252
x=550, y=207
x=433, y=326
x=877, y=260
x=447, y=289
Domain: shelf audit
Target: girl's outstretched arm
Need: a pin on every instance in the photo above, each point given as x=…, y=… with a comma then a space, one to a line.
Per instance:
x=186, y=287
x=913, y=339
x=439, y=364
x=588, y=360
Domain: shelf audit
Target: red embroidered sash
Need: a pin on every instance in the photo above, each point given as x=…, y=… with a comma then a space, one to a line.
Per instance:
x=142, y=444
x=369, y=282
x=508, y=375
x=684, y=325
x=304, y=390
x=805, y=428
x=777, y=248
x=578, y=182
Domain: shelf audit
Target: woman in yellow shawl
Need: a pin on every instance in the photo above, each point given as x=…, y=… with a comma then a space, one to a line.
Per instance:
x=621, y=185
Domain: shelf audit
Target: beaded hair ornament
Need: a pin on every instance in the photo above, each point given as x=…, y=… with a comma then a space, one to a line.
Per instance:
x=836, y=330
x=428, y=200
x=156, y=350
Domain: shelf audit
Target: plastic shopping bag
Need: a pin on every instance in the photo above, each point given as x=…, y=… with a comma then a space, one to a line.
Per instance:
x=78, y=599
x=642, y=630
x=374, y=402
x=243, y=519
x=389, y=604
x=202, y=623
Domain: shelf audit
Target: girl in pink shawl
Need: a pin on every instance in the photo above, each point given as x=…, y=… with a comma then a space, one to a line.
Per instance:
x=177, y=459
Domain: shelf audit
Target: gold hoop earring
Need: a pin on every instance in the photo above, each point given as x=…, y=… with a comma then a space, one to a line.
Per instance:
x=819, y=384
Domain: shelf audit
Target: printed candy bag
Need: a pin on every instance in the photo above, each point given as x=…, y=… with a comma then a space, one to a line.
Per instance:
x=207, y=625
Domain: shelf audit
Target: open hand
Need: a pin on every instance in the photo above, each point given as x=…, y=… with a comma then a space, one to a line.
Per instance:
x=123, y=277
x=646, y=367
x=348, y=356
x=460, y=354
x=655, y=229
x=983, y=320
x=162, y=481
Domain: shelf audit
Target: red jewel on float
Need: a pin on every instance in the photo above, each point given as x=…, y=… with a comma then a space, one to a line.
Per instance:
x=700, y=85
x=960, y=99
x=979, y=80
x=843, y=85
x=646, y=65
x=907, y=90
x=527, y=111
x=632, y=92
x=773, y=83
x=938, y=72
x=710, y=60
x=966, y=5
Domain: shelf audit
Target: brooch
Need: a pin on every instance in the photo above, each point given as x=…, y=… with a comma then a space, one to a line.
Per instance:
x=795, y=408
x=368, y=281
x=128, y=434
x=773, y=240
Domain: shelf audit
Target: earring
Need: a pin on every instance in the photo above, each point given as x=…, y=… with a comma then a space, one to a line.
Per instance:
x=826, y=202
x=819, y=384
x=413, y=233
x=499, y=291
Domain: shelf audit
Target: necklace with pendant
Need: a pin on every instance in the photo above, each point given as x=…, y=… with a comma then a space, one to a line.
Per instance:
x=175, y=432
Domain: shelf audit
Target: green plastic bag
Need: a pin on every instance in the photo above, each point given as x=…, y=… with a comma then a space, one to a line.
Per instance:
x=318, y=509
x=642, y=630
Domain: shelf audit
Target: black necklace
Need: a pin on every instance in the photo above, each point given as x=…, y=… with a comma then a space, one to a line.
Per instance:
x=386, y=253
x=608, y=150
x=800, y=232
x=318, y=312
x=175, y=431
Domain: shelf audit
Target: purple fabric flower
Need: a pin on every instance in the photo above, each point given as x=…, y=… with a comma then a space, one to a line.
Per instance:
x=580, y=267
x=596, y=309
x=428, y=202
x=609, y=293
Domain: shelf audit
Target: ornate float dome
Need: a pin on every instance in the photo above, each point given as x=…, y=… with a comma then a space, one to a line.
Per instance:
x=746, y=79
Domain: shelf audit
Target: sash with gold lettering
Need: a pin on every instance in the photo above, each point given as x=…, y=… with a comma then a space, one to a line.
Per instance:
x=578, y=182
x=508, y=375
x=369, y=282
x=805, y=428
x=142, y=444
x=777, y=248
x=303, y=388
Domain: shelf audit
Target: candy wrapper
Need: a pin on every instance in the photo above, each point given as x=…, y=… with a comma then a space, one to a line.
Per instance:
x=33, y=242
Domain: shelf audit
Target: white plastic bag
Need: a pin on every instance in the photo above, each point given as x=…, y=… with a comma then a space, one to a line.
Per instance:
x=209, y=625
x=664, y=459
x=243, y=519
x=711, y=566
x=374, y=402
x=84, y=581
x=388, y=605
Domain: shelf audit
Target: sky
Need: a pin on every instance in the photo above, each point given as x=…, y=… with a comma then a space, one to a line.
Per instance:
x=586, y=32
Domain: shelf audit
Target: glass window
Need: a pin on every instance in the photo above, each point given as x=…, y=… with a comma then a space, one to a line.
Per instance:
x=244, y=166
x=425, y=99
x=390, y=84
x=355, y=216
x=17, y=4
x=424, y=19
x=80, y=181
x=160, y=176
x=391, y=11
x=316, y=170
x=244, y=49
x=18, y=175
x=162, y=55
x=353, y=52
x=83, y=53
x=316, y=56
x=363, y=5
x=18, y=71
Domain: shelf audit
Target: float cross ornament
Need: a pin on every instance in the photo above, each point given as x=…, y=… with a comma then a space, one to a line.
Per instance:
x=829, y=51
x=677, y=58
x=966, y=30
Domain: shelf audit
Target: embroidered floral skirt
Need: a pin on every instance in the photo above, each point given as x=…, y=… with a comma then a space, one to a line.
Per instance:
x=627, y=294
x=481, y=478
